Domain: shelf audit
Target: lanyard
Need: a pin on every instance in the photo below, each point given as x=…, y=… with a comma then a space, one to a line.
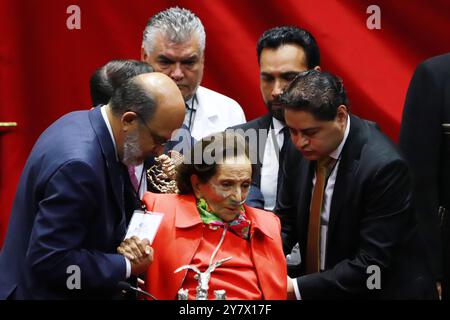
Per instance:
x=136, y=192
x=192, y=109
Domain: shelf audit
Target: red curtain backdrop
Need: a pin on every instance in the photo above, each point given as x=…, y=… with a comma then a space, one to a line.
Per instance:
x=45, y=67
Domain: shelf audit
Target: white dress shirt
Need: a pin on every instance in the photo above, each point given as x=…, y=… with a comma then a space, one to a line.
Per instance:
x=137, y=169
x=270, y=165
x=215, y=112
x=327, y=197
x=108, y=125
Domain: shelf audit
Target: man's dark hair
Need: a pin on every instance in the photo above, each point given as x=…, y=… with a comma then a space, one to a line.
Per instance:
x=278, y=36
x=109, y=77
x=131, y=96
x=319, y=93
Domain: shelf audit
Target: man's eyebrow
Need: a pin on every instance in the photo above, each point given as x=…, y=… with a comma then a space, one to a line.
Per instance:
x=162, y=56
x=283, y=74
x=194, y=56
x=309, y=129
x=290, y=73
x=303, y=130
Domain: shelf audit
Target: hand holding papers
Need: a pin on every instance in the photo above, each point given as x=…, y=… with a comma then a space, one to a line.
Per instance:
x=140, y=234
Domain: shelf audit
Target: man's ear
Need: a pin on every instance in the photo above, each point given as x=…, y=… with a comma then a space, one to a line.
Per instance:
x=144, y=55
x=342, y=113
x=318, y=68
x=129, y=119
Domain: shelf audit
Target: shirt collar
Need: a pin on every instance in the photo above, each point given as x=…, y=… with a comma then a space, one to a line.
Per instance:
x=277, y=125
x=337, y=153
x=205, y=109
x=108, y=125
x=189, y=102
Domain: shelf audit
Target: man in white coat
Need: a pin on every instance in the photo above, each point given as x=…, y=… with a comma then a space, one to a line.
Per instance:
x=174, y=43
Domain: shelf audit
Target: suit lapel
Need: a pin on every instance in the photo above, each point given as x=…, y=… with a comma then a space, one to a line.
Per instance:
x=114, y=167
x=189, y=232
x=306, y=174
x=348, y=167
x=262, y=260
x=347, y=170
x=262, y=257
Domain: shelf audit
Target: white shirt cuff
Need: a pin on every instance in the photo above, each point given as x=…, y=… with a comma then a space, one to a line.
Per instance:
x=296, y=290
x=128, y=268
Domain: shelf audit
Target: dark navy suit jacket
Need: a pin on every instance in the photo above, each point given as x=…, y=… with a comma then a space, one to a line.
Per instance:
x=68, y=211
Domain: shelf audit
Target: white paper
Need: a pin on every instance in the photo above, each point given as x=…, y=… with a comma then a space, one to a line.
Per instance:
x=144, y=225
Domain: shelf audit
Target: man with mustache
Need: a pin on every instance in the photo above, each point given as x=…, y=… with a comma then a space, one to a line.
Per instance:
x=283, y=52
x=174, y=43
x=69, y=214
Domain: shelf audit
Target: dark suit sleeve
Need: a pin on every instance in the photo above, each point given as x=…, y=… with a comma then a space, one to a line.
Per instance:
x=420, y=140
x=255, y=198
x=67, y=210
x=286, y=206
x=386, y=220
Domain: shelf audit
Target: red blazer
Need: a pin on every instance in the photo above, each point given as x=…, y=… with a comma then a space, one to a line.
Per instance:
x=179, y=236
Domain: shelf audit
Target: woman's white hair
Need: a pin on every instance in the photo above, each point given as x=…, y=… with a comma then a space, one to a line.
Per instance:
x=175, y=24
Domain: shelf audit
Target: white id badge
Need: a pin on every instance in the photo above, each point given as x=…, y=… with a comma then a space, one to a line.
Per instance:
x=144, y=225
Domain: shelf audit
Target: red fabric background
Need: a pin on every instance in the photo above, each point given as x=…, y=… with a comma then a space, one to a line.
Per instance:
x=45, y=68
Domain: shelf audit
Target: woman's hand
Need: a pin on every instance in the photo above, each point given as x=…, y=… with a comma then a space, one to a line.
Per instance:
x=167, y=166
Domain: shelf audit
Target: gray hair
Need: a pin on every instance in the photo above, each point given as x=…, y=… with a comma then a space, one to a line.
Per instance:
x=176, y=24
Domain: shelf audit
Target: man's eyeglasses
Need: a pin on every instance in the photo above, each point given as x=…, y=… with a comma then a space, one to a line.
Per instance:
x=158, y=140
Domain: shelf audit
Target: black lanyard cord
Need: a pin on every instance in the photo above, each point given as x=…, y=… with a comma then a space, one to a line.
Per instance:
x=136, y=192
x=192, y=109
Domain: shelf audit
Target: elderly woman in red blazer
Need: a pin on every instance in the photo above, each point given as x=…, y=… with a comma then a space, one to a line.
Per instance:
x=207, y=222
